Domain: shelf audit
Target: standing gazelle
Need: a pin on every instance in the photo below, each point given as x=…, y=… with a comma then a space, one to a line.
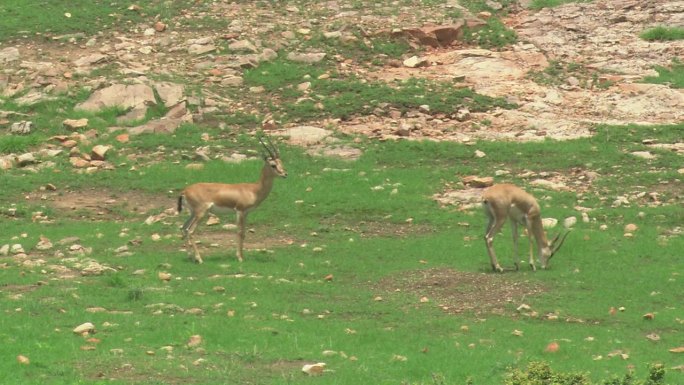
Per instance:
x=202, y=198
x=506, y=201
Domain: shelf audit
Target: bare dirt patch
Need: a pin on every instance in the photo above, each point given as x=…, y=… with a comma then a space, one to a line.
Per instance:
x=456, y=292
x=370, y=229
x=258, y=238
x=102, y=203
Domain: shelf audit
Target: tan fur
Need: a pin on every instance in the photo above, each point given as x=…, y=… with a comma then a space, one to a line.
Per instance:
x=507, y=201
x=202, y=198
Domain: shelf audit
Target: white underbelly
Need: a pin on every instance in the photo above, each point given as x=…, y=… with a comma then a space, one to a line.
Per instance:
x=517, y=215
x=214, y=209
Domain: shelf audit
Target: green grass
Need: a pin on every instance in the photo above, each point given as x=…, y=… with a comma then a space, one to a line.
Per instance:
x=559, y=73
x=343, y=97
x=278, y=312
x=539, y=4
x=493, y=35
x=663, y=33
x=86, y=17
x=672, y=76
x=369, y=223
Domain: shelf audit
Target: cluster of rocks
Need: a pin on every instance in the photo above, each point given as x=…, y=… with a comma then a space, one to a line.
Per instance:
x=575, y=32
x=70, y=256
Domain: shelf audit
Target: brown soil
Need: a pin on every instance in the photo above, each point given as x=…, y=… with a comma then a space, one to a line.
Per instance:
x=103, y=204
x=457, y=292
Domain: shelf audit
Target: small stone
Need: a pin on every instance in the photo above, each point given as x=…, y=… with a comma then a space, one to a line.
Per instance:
x=314, y=369
x=462, y=114
x=21, y=128
x=23, y=360
x=99, y=152
x=631, y=227
x=78, y=162
x=84, y=328
x=194, y=341
x=75, y=124
x=549, y=223
x=478, y=181
x=415, y=62
x=17, y=249
x=309, y=58
x=644, y=155
x=569, y=222
x=159, y=26
x=44, y=244
x=26, y=159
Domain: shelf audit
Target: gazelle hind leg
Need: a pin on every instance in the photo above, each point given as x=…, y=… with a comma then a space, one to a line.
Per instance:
x=514, y=232
x=531, y=261
x=188, y=230
x=493, y=227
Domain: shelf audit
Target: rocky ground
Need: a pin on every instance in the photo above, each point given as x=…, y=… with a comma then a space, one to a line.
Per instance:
x=601, y=37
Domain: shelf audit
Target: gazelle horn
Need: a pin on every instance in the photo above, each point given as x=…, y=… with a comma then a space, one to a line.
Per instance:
x=273, y=154
x=556, y=247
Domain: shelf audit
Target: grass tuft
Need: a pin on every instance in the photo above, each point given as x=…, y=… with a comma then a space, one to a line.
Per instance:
x=663, y=33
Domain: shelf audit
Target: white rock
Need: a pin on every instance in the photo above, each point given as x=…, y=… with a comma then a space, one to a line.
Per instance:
x=26, y=159
x=4, y=250
x=21, y=128
x=415, y=62
x=99, y=152
x=17, y=249
x=7, y=162
x=549, y=223
x=569, y=222
x=307, y=135
x=644, y=154
x=556, y=186
x=309, y=58
x=314, y=369
x=87, y=327
x=9, y=54
x=75, y=124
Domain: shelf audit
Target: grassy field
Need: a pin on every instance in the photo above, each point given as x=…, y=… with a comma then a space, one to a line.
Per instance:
x=350, y=263
x=382, y=318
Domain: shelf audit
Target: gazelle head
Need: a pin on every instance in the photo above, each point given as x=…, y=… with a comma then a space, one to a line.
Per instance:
x=551, y=248
x=272, y=157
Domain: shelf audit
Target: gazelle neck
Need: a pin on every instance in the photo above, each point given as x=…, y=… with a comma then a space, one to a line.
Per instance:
x=538, y=230
x=265, y=182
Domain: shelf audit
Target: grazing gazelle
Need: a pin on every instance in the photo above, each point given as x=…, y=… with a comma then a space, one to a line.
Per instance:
x=202, y=198
x=506, y=201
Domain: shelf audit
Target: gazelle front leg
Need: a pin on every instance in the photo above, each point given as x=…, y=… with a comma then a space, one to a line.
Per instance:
x=529, y=237
x=241, y=217
x=514, y=230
